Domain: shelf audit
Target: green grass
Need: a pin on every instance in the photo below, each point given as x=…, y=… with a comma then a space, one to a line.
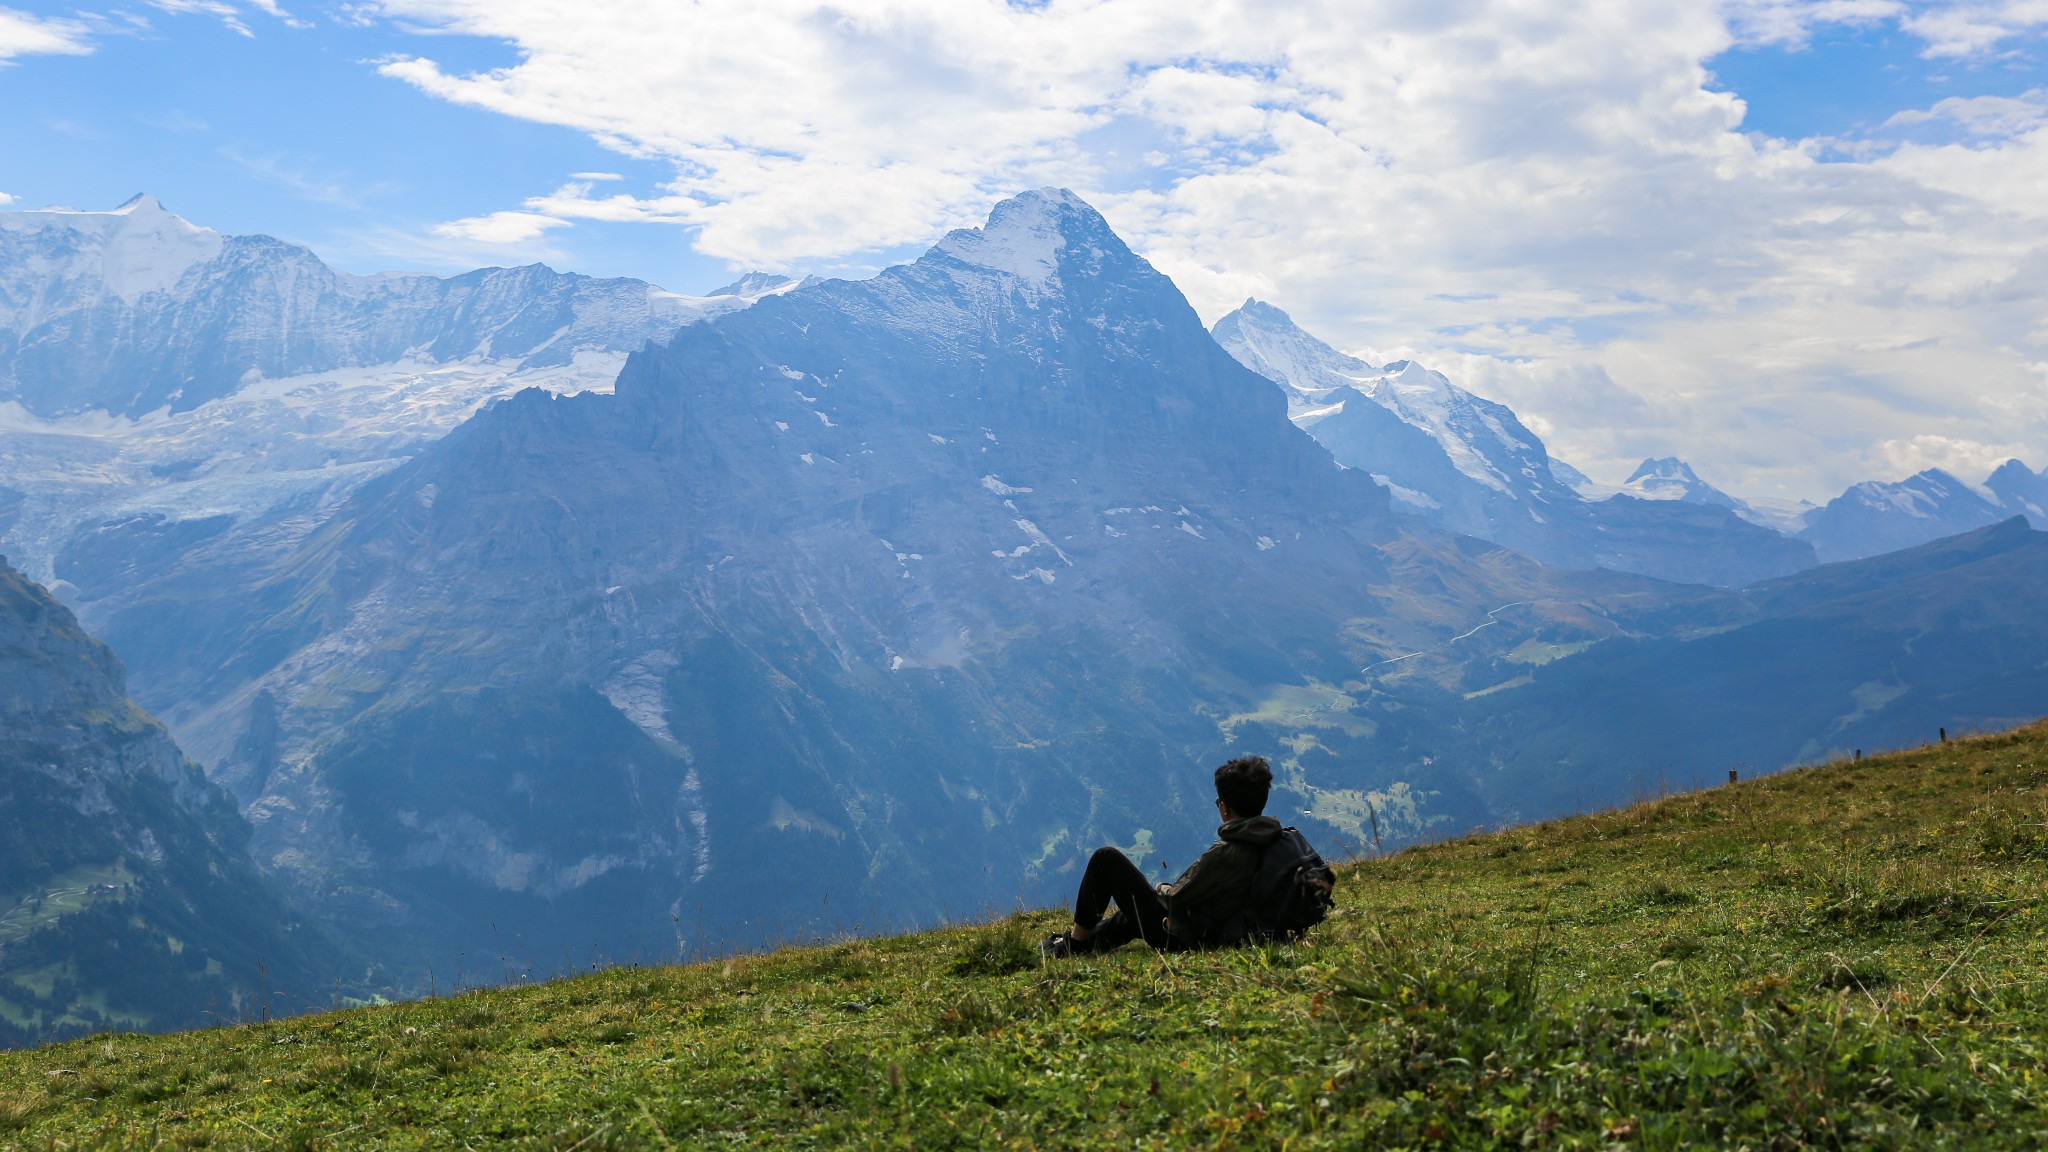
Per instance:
x=1845, y=957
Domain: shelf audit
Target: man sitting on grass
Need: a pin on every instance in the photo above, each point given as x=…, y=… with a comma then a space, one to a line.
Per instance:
x=1258, y=879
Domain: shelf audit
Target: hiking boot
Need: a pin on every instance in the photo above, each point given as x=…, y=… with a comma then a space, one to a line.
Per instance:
x=1062, y=945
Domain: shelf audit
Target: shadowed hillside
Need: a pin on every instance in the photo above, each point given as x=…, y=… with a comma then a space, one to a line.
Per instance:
x=1874, y=653
x=125, y=899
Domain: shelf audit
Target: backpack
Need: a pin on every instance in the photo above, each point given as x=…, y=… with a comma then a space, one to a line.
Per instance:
x=1286, y=899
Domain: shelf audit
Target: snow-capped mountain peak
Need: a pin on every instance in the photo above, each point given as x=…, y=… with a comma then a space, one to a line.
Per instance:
x=1482, y=439
x=1664, y=478
x=1876, y=516
x=1469, y=464
x=142, y=204
x=760, y=285
x=1923, y=495
x=1269, y=342
x=137, y=248
x=1669, y=478
x=134, y=309
x=1025, y=235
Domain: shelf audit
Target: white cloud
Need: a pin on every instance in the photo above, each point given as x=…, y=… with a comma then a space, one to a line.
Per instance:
x=1982, y=115
x=500, y=228
x=5, y=199
x=1968, y=459
x=229, y=14
x=1961, y=30
x=273, y=9
x=1544, y=196
x=1792, y=22
x=25, y=34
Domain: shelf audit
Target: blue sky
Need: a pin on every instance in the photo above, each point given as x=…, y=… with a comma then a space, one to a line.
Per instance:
x=1849, y=79
x=291, y=132
x=1770, y=236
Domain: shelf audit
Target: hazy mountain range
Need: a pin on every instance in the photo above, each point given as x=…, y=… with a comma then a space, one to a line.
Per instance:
x=133, y=310
x=154, y=370
x=1470, y=465
x=916, y=586
x=863, y=603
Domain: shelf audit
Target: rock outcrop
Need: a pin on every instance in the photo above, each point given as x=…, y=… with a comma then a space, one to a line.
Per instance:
x=125, y=901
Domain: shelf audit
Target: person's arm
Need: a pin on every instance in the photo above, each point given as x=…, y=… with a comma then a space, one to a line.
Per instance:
x=1196, y=884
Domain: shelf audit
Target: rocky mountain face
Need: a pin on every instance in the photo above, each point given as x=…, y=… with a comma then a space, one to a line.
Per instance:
x=1469, y=465
x=872, y=603
x=125, y=897
x=2020, y=491
x=1876, y=517
x=1470, y=460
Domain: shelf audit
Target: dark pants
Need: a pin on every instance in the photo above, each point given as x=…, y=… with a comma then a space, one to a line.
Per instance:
x=1112, y=877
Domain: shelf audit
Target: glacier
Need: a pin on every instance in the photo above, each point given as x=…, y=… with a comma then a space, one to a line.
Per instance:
x=153, y=368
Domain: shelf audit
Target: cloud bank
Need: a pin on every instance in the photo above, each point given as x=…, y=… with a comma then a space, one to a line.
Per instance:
x=1548, y=198
x=25, y=34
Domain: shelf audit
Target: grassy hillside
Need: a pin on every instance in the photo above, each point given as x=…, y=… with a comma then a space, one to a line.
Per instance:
x=1850, y=956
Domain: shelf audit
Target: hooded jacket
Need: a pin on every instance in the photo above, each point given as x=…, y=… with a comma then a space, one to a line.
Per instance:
x=1218, y=885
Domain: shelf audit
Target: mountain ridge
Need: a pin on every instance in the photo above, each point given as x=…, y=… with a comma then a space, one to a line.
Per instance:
x=1470, y=465
x=173, y=381
x=1480, y=470
x=124, y=897
x=1870, y=653
x=127, y=291
x=1874, y=516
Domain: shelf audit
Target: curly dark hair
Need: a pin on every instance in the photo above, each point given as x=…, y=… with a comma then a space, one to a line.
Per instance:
x=1243, y=784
